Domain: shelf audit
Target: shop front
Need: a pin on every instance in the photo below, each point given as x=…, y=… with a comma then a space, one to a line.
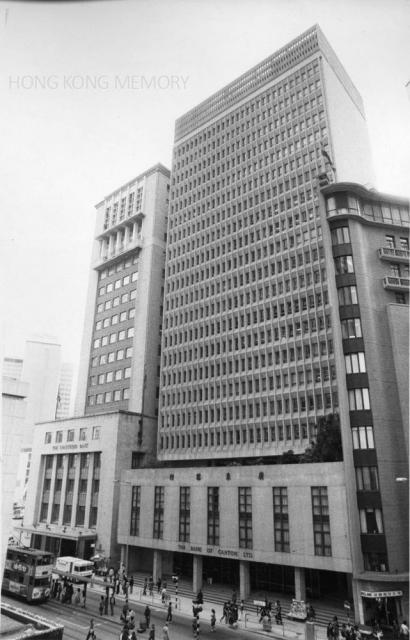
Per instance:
x=382, y=607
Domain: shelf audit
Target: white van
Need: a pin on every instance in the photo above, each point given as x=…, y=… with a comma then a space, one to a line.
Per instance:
x=75, y=566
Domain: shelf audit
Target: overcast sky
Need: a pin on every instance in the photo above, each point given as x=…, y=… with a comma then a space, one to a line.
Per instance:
x=68, y=145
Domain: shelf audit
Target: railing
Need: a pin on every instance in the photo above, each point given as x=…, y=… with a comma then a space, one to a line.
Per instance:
x=391, y=252
x=394, y=282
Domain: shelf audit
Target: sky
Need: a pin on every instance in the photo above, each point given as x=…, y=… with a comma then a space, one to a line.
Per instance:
x=90, y=92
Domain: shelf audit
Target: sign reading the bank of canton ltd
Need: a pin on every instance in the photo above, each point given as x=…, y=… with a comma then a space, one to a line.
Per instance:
x=225, y=553
x=69, y=447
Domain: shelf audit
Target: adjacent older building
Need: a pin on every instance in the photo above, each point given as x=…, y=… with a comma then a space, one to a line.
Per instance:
x=280, y=308
x=72, y=503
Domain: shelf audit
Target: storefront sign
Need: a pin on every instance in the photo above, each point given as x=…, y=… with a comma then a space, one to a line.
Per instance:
x=381, y=594
x=70, y=447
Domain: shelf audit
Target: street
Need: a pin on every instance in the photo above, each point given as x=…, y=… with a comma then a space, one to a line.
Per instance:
x=76, y=621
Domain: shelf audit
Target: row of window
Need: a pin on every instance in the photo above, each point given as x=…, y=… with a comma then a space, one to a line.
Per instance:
x=128, y=296
x=120, y=209
x=343, y=203
x=281, y=539
x=109, y=396
x=123, y=334
x=118, y=266
x=115, y=319
x=83, y=434
x=110, y=376
x=117, y=284
x=112, y=356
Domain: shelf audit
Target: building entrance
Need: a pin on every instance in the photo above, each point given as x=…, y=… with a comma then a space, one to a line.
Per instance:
x=326, y=583
x=272, y=577
x=220, y=570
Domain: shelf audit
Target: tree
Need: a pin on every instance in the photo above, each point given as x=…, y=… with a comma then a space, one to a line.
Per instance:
x=328, y=445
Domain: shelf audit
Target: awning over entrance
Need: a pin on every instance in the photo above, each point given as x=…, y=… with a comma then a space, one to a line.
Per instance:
x=69, y=534
x=381, y=594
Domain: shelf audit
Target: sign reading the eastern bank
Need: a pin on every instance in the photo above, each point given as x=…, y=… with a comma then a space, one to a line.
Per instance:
x=66, y=447
x=228, y=553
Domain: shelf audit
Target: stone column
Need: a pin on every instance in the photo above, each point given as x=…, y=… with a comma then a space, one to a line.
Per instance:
x=75, y=490
x=51, y=492
x=197, y=574
x=157, y=565
x=300, y=583
x=244, y=580
x=63, y=490
x=111, y=245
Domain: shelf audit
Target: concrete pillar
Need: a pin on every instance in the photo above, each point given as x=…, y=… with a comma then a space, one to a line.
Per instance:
x=134, y=231
x=357, y=602
x=75, y=490
x=111, y=245
x=244, y=580
x=157, y=565
x=197, y=574
x=51, y=492
x=63, y=490
x=89, y=490
x=300, y=584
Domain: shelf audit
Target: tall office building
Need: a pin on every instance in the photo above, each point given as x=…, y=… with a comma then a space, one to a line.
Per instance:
x=74, y=486
x=278, y=310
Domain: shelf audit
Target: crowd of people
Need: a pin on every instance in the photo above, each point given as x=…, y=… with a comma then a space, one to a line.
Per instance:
x=64, y=590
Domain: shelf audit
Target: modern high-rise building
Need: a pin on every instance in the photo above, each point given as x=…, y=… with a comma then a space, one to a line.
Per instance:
x=72, y=498
x=280, y=308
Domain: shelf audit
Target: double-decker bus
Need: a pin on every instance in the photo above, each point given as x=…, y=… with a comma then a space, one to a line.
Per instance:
x=27, y=573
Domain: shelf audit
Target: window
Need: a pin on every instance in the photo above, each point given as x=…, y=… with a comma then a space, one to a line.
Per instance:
x=390, y=243
x=355, y=362
x=118, y=374
x=245, y=517
x=96, y=433
x=158, y=531
x=375, y=561
x=70, y=435
x=359, y=399
x=130, y=332
x=47, y=437
x=128, y=352
x=184, y=513
x=213, y=515
x=400, y=298
x=135, y=511
x=344, y=264
x=404, y=244
x=395, y=270
x=121, y=334
x=340, y=236
x=371, y=521
x=367, y=479
x=321, y=522
x=281, y=519
x=351, y=328
x=134, y=276
x=347, y=295
x=363, y=437
x=59, y=436
x=83, y=434
x=127, y=372
x=135, y=459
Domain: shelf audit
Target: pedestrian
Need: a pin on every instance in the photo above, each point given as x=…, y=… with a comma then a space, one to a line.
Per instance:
x=131, y=619
x=213, y=620
x=112, y=603
x=169, y=613
x=152, y=633
x=101, y=605
x=124, y=614
x=147, y=615
x=77, y=597
x=165, y=634
x=124, y=633
x=91, y=632
x=106, y=603
x=404, y=631
x=234, y=597
x=117, y=586
x=144, y=589
x=224, y=613
x=159, y=582
x=111, y=574
x=83, y=598
x=200, y=597
x=59, y=589
x=151, y=586
x=131, y=583
x=163, y=595
x=329, y=631
x=278, y=613
x=241, y=610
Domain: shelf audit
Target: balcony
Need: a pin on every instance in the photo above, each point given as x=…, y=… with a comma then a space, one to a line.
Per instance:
x=119, y=252
x=393, y=283
x=395, y=255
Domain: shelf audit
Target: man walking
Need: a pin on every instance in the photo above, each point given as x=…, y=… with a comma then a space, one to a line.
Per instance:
x=165, y=634
x=112, y=603
x=169, y=612
x=147, y=615
x=91, y=632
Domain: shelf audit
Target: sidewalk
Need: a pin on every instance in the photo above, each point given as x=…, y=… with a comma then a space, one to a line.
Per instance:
x=290, y=630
